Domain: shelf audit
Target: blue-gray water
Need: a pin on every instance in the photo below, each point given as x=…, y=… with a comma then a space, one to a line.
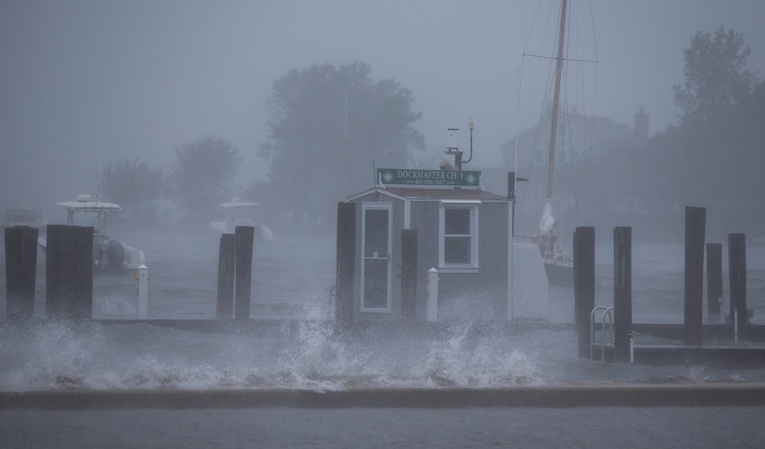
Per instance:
x=292, y=277
x=517, y=428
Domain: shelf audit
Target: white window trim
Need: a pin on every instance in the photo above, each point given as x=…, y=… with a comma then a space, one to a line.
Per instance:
x=459, y=268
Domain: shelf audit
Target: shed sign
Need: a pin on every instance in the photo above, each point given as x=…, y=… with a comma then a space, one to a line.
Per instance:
x=428, y=178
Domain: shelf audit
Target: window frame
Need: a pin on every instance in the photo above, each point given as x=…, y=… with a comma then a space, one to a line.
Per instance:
x=473, y=265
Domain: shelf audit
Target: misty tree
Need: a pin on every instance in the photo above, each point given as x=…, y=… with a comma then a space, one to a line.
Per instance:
x=328, y=127
x=718, y=151
x=716, y=81
x=133, y=185
x=203, y=175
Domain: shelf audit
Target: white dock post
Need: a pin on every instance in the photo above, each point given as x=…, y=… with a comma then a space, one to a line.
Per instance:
x=143, y=291
x=432, y=309
x=632, y=350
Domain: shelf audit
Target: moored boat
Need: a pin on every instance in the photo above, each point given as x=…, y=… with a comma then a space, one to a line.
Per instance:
x=241, y=213
x=558, y=266
x=108, y=253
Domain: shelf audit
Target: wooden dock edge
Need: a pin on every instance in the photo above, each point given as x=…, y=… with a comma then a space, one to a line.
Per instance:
x=560, y=396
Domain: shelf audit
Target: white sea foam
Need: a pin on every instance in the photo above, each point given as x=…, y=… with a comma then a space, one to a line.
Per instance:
x=310, y=355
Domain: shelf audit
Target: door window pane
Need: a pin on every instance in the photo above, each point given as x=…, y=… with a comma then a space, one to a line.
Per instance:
x=376, y=284
x=376, y=233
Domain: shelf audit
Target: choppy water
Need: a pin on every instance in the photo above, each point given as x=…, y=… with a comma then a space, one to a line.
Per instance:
x=519, y=428
x=292, y=277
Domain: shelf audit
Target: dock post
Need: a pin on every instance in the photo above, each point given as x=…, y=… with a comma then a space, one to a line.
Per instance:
x=68, y=268
x=714, y=278
x=243, y=271
x=409, y=274
x=54, y=260
x=82, y=302
x=142, y=276
x=20, y=272
x=345, y=263
x=431, y=314
x=224, y=308
x=737, y=279
x=584, y=284
x=695, y=226
x=69, y=272
x=622, y=293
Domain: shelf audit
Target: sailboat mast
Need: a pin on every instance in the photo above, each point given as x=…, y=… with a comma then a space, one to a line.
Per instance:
x=556, y=100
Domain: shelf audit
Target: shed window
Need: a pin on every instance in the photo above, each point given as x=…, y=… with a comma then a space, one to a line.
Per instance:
x=458, y=242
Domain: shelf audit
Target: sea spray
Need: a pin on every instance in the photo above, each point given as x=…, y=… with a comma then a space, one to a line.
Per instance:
x=462, y=359
x=308, y=355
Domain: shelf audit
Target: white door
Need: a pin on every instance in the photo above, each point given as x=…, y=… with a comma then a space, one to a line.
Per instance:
x=376, y=249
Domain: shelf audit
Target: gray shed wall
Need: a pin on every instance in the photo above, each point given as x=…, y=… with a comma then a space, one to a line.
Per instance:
x=482, y=294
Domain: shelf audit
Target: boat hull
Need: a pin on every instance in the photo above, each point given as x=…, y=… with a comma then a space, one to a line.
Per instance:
x=129, y=257
x=559, y=273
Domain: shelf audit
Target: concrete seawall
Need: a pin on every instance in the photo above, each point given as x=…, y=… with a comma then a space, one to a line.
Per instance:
x=600, y=395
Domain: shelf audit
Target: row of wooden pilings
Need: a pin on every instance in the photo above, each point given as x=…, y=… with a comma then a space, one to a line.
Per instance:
x=68, y=274
x=695, y=225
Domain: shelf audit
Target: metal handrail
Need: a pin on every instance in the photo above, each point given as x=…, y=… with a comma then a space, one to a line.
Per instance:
x=606, y=312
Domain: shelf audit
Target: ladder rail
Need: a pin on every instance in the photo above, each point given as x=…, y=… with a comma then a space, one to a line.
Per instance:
x=607, y=313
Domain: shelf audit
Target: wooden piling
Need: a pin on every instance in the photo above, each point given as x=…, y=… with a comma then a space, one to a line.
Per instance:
x=346, y=262
x=69, y=272
x=622, y=292
x=714, y=278
x=20, y=272
x=68, y=267
x=82, y=302
x=243, y=272
x=584, y=284
x=511, y=197
x=409, y=274
x=695, y=226
x=54, y=260
x=226, y=274
x=737, y=278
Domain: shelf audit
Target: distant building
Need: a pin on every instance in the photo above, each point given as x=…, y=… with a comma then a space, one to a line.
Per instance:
x=641, y=125
x=580, y=139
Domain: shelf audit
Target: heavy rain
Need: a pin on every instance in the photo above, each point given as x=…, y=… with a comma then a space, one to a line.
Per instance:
x=365, y=143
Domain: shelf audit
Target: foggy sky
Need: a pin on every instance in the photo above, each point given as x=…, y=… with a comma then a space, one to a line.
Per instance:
x=90, y=82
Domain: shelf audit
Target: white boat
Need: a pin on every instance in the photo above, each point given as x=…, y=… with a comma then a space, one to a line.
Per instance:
x=241, y=213
x=108, y=253
x=24, y=216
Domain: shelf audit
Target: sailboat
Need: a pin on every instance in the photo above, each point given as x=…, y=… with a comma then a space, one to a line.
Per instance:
x=558, y=266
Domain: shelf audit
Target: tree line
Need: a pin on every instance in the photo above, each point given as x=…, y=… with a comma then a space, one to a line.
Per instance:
x=712, y=157
x=329, y=127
